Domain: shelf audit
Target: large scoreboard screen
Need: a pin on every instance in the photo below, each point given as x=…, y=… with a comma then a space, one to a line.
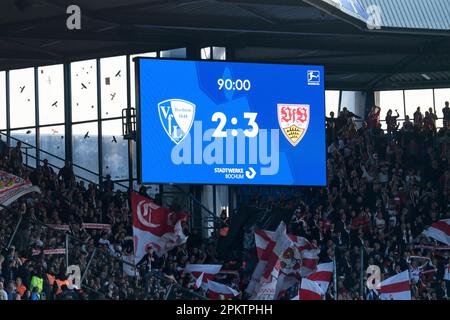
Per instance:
x=217, y=122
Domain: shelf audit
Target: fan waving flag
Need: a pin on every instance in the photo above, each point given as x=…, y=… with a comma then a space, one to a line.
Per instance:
x=155, y=226
x=439, y=231
x=298, y=261
x=270, y=245
x=13, y=187
x=396, y=287
x=309, y=290
x=220, y=291
x=309, y=255
x=323, y=275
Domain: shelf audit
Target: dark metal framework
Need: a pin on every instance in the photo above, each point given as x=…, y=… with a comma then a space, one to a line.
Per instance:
x=292, y=31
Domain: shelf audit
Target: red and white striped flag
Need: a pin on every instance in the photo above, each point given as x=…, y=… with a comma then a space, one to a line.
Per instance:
x=440, y=231
x=100, y=226
x=218, y=291
x=49, y=251
x=298, y=261
x=323, y=275
x=62, y=227
x=309, y=254
x=202, y=272
x=396, y=287
x=270, y=245
x=309, y=290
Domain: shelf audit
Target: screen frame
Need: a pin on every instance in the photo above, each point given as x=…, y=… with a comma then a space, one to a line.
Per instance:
x=137, y=85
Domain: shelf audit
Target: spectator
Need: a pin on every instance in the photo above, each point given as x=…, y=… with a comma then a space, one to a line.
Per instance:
x=16, y=158
x=374, y=117
x=3, y=293
x=446, y=113
x=20, y=287
x=418, y=118
x=391, y=122
x=3, y=147
x=66, y=173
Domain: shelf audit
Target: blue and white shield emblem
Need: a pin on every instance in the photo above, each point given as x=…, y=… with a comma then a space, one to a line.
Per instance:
x=176, y=117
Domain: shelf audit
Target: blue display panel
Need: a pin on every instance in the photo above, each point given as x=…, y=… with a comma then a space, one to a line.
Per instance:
x=214, y=122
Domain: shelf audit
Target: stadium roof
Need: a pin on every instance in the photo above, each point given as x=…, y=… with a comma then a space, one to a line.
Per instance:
x=33, y=32
x=413, y=14
x=409, y=16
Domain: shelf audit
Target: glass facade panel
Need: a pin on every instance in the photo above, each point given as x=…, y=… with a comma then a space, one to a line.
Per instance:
x=132, y=75
x=85, y=149
x=28, y=137
x=440, y=97
x=51, y=94
x=84, y=90
x=113, y=86
x=115, y=150
x=205, y=53
x=219, y=53
x=418, y=98
x=2, y=100
x=21, y=90
x=391, y=100
x=332, y=102
x=52, y=141
x=174, y=53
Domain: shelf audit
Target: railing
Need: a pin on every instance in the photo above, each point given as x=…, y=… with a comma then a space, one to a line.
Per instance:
x=218, y=223
x=41, y=151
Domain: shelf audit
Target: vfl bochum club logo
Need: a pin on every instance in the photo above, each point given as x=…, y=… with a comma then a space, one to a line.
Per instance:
x=294, y=121
x=176, y=117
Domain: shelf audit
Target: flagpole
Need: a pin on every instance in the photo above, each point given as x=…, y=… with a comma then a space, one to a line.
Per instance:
x=14, y=233
x=335, y=278
x=88, y=266
x=67, y=250
x=361, y=284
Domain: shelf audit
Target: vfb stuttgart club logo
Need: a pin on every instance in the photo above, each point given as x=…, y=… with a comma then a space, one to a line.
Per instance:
x=176, y=117
x=294, y=121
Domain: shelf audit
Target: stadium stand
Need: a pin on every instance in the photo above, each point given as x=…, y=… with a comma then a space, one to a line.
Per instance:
x=384, y=188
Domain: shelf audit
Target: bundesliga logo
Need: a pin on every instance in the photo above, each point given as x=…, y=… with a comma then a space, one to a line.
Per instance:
x=294, y=121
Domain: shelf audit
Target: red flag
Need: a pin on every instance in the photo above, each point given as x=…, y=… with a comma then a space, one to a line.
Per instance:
x=217, y=290
x=396, y=287
x=322, y=277
x=154, y=226
x=440, y=231
x=309, y=290
x=13, y=187
x=203, y=272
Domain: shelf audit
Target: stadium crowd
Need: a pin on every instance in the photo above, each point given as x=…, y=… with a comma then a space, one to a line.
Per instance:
x=384, y=188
